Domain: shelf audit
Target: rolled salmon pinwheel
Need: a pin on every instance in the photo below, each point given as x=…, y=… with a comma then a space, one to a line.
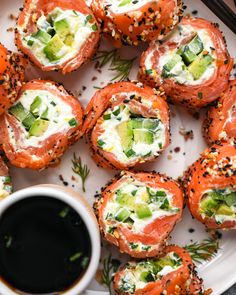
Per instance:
x=128, y=22
x=172, y=273
x=137, y=212
x=12, y=69
x=57, y=35
x=38, y=128
x=126, y=124
x=221, y=118
x=5, y=180
x=210, y=186
x=192, y=64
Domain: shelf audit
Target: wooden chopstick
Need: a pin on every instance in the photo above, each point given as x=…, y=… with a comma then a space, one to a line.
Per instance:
x=223, y=11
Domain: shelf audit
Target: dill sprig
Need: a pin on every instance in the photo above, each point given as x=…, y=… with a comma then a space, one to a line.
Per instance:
x=80, y=169
x=203, y=251
x=110, y=266
x=117, y=64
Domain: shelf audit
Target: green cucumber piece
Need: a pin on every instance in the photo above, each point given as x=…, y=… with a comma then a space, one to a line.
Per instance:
x=122, y=214
x=139, y=123
x=125, y=200
x=44, y=115
x=142, y=211
x=53, y=48
x=62, y=28
x=143, y=136
x=39, y=127
x=28, y=121
x=199, y=66
x=18, y=111
x=230, y=199
x=172, y=62
x=209, y=206
x=191, y=50
x=136, y=123
x=224, y=210
x=42, y=36
x=126, y=135
x=35, y=106
x=188, y=56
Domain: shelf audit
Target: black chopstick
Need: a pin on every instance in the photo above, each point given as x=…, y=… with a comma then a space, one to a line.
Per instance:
x=223, y=11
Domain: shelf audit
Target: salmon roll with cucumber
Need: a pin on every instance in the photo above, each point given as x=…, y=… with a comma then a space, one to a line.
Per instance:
x=137, y=211
x=171, y=273
x=128, y=22
x=192, y=64
x=5, y=180
x=127, y=124
x=220, y=123
x=57, y=35
x=38, y=128
x=210, y=186
x=12, y=70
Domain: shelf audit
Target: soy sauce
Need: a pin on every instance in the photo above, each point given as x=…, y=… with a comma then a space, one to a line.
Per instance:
x=44, y=246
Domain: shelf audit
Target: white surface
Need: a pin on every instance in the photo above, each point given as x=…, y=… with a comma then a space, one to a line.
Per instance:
x=219, y=273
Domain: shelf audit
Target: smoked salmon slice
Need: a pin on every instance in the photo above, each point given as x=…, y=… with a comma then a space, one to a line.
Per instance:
x=220, y=122
x=38, y=128
x=5, y=180
x=126, y=124
x=12, y=69
x=137, y=211
x=192, y=64
x=128, y=22
x=57, y=35
x=210, y=186
x=171, y=274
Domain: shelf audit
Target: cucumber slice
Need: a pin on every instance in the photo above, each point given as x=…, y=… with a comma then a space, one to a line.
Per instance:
x=42, y=36
x=28, y=121
x=209, y=206
x=126, y=135
x=122, y=214
x=143, y=136
x=191, y=50
x=231, y=199
x=199, y=66
x=62, y=28
x=140, y=123
x=39, y=127
x=188, y=56
x=35, y=106
x=53, y=50
x=142, y=211
x=172, y=62
x=18, y=111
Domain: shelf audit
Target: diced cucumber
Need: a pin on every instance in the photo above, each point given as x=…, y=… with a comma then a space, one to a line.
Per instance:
x=209, y=205
x=143, y=136
x=62, y=28
x=126, y=135
x=230, y=199
x=142, y=211
x=42, y=36
x=188, y=56
x=18, y=111
x=136, y=123
x=224, y=210
x=199, y=66
x=53, y=48
x=125, y=200
x=39, y=127
x=45, y=114
x=216, y=195
x=172, y=62
x=147, y=276
x=69, y=40
x=122, y=214
x=191, y=50
x=28, y=121
x=151, y=124
x=35, y=106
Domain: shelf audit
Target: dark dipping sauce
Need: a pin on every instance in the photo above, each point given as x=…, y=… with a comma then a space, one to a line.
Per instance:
x=44, y=246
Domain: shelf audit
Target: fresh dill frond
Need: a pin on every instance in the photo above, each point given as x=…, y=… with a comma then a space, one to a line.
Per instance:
x=80, y=169
x=110, y=266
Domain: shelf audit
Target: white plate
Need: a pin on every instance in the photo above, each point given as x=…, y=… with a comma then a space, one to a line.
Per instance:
x=220, y=272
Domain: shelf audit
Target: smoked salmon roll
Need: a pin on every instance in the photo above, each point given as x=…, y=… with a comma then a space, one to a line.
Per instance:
x=12, y=69
x=137, y=211
x=126, y=124
x=5, y=180
x=210, y=186
x=172, y=273
x=192, y=64
x=38, y=128
x=221, y=117
x=128, y=22
x=57, y=35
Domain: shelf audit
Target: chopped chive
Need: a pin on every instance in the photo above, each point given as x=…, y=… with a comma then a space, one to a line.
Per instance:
x=94, y=27
x=84, y=262
x=107, y=116
x=199, y=95
x=88, y=18
x=64, y=212
x=133, y=193
x=100, y=142
x=130, y=153
x=53, y=103
x=75, y=12
x=73, y=122
x=30, y=42
x=116, y=112
x=149, y=72
x=160, y=145
x=75, y=256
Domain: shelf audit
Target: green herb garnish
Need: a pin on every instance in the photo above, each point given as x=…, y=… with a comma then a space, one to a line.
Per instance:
x=110, y=266
x=75, y=256
x=64, y=212
x=80, y=169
